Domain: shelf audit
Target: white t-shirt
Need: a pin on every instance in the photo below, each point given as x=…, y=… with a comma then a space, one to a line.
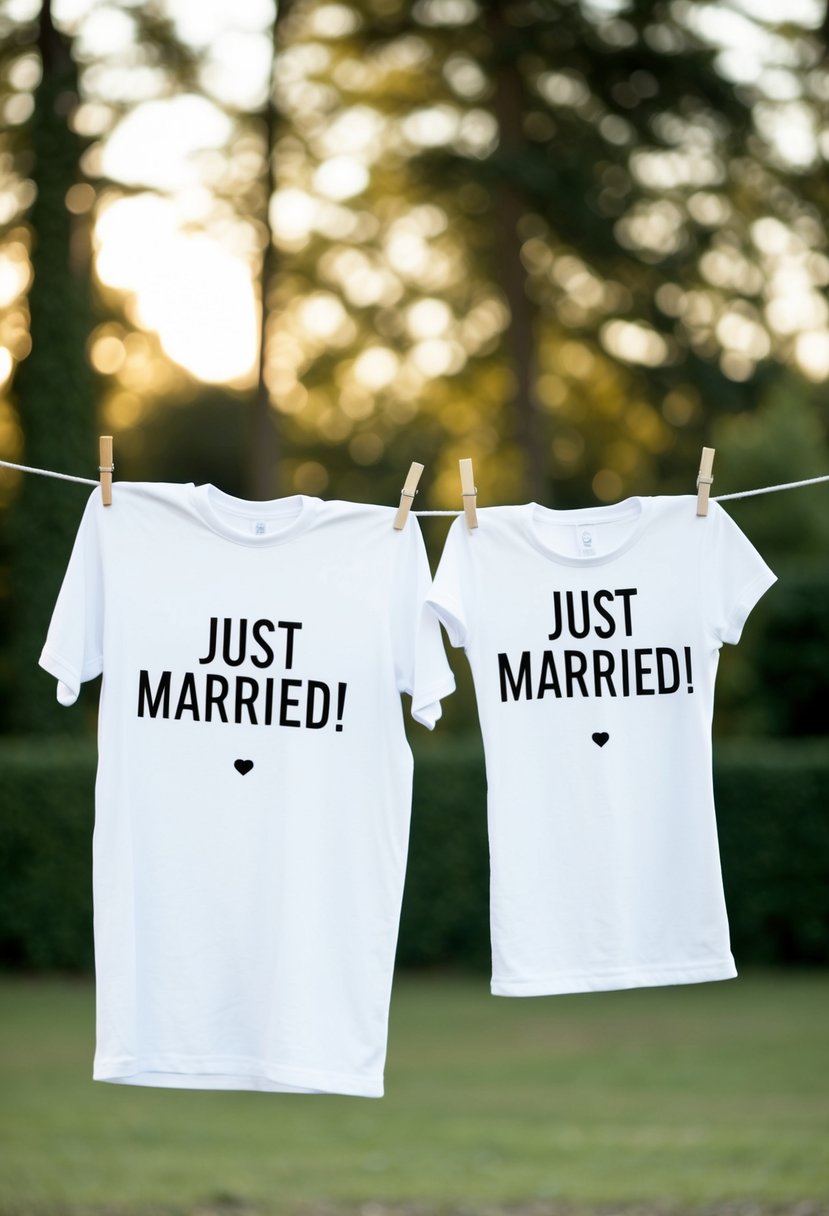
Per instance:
x=593, y=638
x=254, y=779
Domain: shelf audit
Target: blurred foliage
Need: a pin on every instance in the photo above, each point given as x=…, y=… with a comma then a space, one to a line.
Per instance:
x=774, y=682
x=55, y=383
x=786, y=431
x=201, y=438
x=792, y=659
x=571, y=240
x=774, y=843
x=561, y=238
x=574, y=247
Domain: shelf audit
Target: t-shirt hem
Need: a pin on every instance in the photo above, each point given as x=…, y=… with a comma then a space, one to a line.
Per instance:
x=176, y=1072
x=605, y=981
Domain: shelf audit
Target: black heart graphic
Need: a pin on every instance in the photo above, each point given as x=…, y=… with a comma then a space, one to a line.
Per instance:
x=601, y=738
x=243, y=766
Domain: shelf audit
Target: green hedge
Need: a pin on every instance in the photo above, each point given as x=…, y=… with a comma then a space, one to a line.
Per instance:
x=46, y=851
x=773, y=817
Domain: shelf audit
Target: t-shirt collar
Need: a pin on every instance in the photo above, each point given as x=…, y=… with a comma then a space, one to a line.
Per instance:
x=633, y=509
x=257, y=524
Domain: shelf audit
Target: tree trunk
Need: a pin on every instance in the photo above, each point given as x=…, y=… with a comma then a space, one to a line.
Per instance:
x=508, y=211
x=265, y=448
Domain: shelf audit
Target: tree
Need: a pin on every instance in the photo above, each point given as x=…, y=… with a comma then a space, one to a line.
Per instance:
x=556, y=236
x=54, y=387
x=56, y=394
x=624, y=213
x=264, y=459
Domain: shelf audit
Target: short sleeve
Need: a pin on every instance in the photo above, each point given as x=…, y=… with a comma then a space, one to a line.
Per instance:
x=73, y=652
x=420, y=661
x=734, y=576
x=452, y=597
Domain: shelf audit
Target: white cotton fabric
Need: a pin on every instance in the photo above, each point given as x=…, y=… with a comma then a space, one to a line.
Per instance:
x=248, y=872
x=605, y=868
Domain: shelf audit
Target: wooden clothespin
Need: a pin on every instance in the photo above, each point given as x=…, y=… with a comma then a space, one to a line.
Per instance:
x=407, y=495
x=106, y=468
x=469, y=493
x=705, y=479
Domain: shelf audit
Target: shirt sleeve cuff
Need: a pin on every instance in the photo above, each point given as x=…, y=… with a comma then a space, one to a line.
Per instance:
x=69, y=681
x=748, y=599
x=426, y=707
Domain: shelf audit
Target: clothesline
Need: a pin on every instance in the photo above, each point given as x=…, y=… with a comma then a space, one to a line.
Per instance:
x=25, y=468
x=89, y=481
x=789, y=485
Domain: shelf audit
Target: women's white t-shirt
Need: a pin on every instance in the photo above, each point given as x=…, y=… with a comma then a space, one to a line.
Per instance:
x=593, y=638
x=254, y=779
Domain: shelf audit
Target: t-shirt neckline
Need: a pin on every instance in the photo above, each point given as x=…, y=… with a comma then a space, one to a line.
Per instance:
x=635, y=509
x=236, y=519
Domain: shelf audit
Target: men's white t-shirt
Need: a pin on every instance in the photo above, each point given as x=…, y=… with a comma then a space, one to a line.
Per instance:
x=593, y=638
x=254, y=779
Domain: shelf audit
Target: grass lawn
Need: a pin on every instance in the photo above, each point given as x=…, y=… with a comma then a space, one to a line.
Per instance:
x=701, y=1097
